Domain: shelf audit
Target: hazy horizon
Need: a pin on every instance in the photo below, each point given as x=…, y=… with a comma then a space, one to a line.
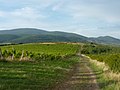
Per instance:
x=91, y=18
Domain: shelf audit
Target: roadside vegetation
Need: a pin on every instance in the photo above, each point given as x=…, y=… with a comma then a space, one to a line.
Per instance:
x=106, y=63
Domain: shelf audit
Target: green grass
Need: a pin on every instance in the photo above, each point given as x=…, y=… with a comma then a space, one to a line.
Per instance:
x=34, y=76
x=104, y=81
x=38, y=74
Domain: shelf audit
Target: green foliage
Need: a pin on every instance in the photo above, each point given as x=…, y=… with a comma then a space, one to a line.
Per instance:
x=95, y=49
x=108, y=54
x=5, y=53
x=18, y=54
x=40, y=52
x=113, y=62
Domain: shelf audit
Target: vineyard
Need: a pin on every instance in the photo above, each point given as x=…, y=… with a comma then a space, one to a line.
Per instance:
x=110, y=55
x=35, y=66
x=37, y=51
x=43, y=66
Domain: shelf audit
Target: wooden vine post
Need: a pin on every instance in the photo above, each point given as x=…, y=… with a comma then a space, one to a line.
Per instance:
x=13, y=54
x=27, y=55
x=22, y=55
x=1, y=57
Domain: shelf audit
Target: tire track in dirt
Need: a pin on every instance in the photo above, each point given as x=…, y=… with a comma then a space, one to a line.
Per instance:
x=82, y=78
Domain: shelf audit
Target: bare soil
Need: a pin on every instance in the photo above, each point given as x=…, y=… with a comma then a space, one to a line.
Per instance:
x=81, y=78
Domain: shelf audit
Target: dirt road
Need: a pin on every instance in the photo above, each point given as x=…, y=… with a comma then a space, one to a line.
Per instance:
x=82, y=78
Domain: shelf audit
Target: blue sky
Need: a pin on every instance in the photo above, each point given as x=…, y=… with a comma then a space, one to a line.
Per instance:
x=85, y=17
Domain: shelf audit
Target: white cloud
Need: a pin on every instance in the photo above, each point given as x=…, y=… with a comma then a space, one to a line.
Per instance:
x=80, y=16
x=27, y=12
x=57, y=6
x=108, y=12
x=23, y=17
x=2, y=14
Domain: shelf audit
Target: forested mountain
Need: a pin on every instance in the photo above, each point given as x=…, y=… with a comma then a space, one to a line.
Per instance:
x=30, y=35
x=106, y=40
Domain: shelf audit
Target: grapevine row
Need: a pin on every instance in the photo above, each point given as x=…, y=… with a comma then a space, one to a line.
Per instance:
x=108, y=54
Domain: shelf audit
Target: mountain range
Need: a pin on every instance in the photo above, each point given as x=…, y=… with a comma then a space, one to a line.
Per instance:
x=31, y=35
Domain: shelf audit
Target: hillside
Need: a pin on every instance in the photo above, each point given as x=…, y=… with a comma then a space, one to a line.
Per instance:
x=105, y=40
x=30, y=35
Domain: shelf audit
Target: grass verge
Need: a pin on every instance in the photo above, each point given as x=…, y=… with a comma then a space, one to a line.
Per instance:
x=106, y=79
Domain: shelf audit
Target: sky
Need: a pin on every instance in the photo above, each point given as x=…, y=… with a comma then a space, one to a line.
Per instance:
x=90, y=18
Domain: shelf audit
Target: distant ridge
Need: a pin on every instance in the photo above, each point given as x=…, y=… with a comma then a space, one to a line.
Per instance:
x=106, y=40
x=31, y=35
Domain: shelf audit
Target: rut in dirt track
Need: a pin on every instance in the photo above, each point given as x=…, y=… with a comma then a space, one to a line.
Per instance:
x=82, y=78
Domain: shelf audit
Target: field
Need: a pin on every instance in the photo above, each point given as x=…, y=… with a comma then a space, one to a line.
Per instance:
x=61, y=49
x=50, y=66
x=38, y=51
x=36, y=73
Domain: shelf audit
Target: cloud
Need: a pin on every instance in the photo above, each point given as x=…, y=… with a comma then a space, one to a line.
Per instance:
x=87, y=17
x=108, y=12
x=57, y=6
x=1, y=14
x=23, y=17
x=27, y=12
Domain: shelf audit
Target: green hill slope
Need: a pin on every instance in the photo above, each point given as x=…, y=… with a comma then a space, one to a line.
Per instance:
x=31, y=35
